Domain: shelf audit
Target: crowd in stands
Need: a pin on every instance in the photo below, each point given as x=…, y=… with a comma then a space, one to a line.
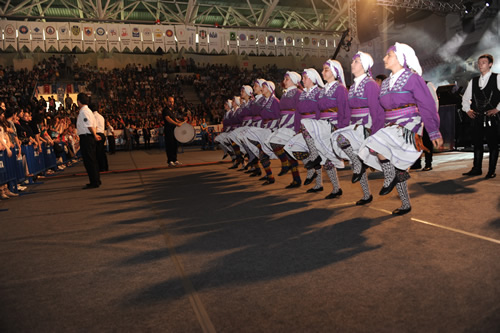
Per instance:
x=131, y=99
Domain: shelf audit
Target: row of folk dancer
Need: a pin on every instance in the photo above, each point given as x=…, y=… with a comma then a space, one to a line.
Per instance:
x=324, y=124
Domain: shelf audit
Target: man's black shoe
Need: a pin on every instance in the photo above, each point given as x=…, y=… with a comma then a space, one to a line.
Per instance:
x=490, y=175
x=283, y=171
x=88, y=186
x=293, y=184
x=388, y=189
x=473, y=172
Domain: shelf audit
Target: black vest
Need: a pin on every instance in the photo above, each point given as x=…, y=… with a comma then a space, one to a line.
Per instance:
x=487, y=98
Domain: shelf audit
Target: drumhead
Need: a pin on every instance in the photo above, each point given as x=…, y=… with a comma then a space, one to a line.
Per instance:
x=185, y=133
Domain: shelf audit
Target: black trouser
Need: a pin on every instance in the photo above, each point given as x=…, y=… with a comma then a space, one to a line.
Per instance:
x=112, y=144
x=490, y=132
x=426, y=140
x=170, y=145
x=88, y=149
x=147, y=142
x=102, y=160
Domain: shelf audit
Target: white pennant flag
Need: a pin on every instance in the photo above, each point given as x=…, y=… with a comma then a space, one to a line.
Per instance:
x=147, y=38
x=37, y=35
x=88, y=36
x=113, y=38
x=261, y=43
x=214, y=40
x=24, y=36
x=135, y=38
x=159, y=39
x=271, y=43
x=170, y=43
x=289, y=45
x=64, y=37
x=101, y=38
x=191, y=38
x=203, y=40
x=76, y=36
x=125, y=38
x=51, y=37
x=280, y=45
x=252, y=43
x=9, y=30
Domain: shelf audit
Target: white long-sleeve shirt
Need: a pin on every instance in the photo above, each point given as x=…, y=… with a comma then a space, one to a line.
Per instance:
x=467, y=97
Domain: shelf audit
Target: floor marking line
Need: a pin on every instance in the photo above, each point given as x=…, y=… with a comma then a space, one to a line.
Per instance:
x=457, y=231
x=196, y=303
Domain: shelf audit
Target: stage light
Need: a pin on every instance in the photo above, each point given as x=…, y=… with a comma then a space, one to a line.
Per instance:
x=487, y=4
x=468, y=7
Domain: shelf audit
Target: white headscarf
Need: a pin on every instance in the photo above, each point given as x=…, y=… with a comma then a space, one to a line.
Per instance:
x=229, y=103
x=314, y=76
x=270, y=85
x=366, y=61
x=294, y=76
x=248, y=90
x=237, y=100
x=337, y=70
x=260, y=82
x=407, y=57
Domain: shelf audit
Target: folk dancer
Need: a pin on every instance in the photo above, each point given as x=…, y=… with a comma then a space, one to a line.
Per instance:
x=407, y=102
x=367, y=117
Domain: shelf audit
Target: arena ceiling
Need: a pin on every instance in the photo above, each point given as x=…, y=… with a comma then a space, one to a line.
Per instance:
x=311, y=15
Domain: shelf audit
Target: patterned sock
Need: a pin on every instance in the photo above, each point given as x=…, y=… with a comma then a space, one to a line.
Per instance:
x=364, y=186
x=294, y=166
x=266, y=164
x=310, y=172
x=300, y=155
x=356, y=162
x=313, y=151
x=389, y=172
x=403, y=194
x=319, y=180
x=283, y=158
x=331, y=171
x=237, y=151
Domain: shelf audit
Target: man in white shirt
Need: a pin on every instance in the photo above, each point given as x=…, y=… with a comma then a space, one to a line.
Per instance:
x=86, y=127
x=102, y=160
x=481, y=102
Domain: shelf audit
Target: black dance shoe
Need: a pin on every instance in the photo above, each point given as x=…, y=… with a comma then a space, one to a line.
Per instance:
x=310, y=180
x=364, y=201
x=293, y=184
x=314, y=164
x=473, y=172
x=269, y=181
x=225, y=155
x=427, y=168
x=263, y=178
x=234, y=166
x=388, y=189
x=314, y=190
x=400, y=211
x=256, y=173
x=334, y=195
x=490, y=175
x=356, y=177
x=283, y=171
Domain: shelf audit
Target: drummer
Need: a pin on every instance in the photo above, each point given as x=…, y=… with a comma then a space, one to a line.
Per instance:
x=278, y=140
x=367, y=117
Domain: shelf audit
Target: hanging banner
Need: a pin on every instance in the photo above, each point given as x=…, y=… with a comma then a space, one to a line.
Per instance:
x=271, y=44
x=203, y=40
x=64, y=37
x=331, y=46
x=125, y=38
x=242, y=42
x=280, y=45
x=182, y=37
x=216, y=41
x=24, y=36
x=252, y=43
x=101, y=39
x=306, y=45
x=159, y=39
x=50, y=37
x=37, y=36
x=261, y=43
x=113, y=38
x=298, y=43
x=76, y=36
x=191, y=39
x=323, y=51
x=233, y=42
x=289, y=45
x=10, y=39
x=88, y=36
x=315, y=46
x=135, y=38
x=170, y=44
x=147, y=38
